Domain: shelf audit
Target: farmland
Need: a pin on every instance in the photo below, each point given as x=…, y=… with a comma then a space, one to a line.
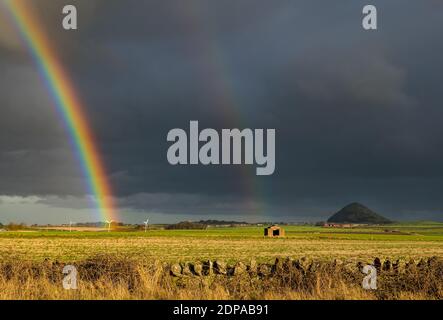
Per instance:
x=404, y=241
x=139, y=265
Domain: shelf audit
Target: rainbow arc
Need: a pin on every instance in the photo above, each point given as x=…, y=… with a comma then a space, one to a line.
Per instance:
x=68, y=104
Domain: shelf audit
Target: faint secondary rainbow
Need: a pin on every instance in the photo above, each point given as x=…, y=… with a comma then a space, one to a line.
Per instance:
x=220, y=84
x=68, y=105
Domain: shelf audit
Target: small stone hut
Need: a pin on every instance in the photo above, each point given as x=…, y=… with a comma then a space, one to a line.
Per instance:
x=274, y=231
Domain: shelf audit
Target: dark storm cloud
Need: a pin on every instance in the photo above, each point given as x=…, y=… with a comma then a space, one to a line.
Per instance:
x=357, y=114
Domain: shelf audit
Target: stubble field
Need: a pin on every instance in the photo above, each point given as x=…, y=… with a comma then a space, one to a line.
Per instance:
x=157, y=250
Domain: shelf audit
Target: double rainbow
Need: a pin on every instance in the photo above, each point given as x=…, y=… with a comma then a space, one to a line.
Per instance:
x=68, y=104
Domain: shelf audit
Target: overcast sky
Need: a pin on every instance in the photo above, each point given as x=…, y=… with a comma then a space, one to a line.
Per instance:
x=358, y=114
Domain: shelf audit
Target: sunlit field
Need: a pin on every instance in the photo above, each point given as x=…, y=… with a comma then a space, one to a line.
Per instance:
x=309, y=263
x=231, y=244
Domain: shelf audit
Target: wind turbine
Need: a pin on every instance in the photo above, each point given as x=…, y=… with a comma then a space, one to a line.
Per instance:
x=109, y=224
x=146, y=223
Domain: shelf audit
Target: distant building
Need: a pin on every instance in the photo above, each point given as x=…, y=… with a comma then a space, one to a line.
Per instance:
x=274, y=231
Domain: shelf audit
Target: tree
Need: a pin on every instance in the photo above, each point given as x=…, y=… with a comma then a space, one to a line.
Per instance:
x=15, y=226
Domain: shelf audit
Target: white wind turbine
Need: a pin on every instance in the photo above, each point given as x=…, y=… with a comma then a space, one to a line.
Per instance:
x=146, y=224
x=109, y=224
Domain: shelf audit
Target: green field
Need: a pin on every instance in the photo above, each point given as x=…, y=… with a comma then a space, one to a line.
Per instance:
x=405, y=241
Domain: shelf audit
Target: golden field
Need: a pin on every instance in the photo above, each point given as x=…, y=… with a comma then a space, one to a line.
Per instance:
x=135, y=265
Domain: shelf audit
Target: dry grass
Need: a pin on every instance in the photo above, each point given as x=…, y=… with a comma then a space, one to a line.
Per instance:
x=173, y=249
x=106, y=277
x=131, y=271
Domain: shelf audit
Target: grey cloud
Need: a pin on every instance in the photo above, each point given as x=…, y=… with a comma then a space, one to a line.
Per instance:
x=369, y=81
x=192, y=204
x=72, y=202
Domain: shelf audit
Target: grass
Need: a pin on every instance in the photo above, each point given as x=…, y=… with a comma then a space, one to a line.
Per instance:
x=144, y=251
x=114, y=277
x=230, y=244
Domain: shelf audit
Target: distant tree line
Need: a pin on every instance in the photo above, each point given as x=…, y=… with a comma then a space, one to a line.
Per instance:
x=98, y=224
x=186, y=225
x=13, y=226
x=220, y=222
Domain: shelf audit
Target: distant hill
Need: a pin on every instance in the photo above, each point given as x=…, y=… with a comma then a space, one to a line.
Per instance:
x=358, y=213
